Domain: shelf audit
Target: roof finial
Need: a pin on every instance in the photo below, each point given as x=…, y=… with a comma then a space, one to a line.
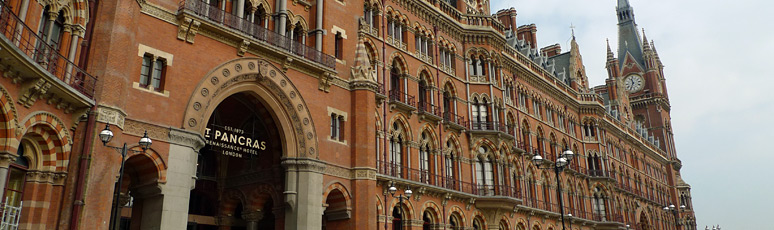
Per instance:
x=609, y=52
x=645, y=45
x=572, y=28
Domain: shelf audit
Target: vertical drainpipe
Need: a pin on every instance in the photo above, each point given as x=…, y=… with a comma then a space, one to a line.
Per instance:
x=440, y=124
x=82, y=168
x=384, y=103
x=88, y=141
x=319, y=33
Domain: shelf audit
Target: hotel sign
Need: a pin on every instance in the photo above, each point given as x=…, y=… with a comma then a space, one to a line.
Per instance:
x=233, y=142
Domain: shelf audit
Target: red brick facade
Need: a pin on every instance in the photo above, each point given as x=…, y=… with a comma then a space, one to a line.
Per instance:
x=347, y=97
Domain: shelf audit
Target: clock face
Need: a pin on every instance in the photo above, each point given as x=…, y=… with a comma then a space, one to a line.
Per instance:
x=633, y=83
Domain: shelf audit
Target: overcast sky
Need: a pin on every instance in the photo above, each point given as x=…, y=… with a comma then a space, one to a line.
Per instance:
x=715, y=57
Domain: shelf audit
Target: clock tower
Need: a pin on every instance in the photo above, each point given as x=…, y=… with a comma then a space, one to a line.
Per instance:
x=636, y=77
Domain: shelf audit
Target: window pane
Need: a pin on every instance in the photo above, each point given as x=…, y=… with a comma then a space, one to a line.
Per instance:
x=158, y=66
x=145, y=71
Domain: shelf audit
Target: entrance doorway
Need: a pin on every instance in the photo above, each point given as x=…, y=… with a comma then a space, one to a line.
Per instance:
x=239, y=176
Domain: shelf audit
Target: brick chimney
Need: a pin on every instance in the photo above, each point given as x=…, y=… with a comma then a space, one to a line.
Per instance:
x=552, y=50
x=508, y=18
x=528, y=33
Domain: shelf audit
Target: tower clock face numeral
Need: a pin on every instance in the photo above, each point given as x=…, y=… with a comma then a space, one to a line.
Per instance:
x=633, y=83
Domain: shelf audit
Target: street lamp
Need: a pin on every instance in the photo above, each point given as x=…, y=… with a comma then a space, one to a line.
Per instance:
x=392, y=191
x=145, y=142
x=676, y=212
x=559, y=165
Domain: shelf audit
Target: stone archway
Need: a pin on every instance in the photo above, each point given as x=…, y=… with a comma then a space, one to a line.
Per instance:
x=277, y=93
x=272, y=86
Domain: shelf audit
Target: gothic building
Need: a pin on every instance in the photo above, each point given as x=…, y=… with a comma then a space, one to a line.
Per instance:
x=305, y=114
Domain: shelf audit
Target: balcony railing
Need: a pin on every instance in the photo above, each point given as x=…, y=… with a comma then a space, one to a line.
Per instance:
x=399, y=96
x=427, y=107
x=454, y=118
x=257, y=32
x=393, y=169
x=45, y=55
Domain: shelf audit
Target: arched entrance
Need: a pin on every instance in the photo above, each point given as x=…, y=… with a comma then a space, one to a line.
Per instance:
x=272, y=181
x=242, y=156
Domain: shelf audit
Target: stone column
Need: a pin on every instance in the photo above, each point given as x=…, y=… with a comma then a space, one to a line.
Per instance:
x=318, y=33
x=5, y=162
x=303, y=193
x=240, y=8
x=252, y=219
x=169, y=209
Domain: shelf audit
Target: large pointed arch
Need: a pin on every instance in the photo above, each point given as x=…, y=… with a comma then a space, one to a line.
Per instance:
x=270, y=85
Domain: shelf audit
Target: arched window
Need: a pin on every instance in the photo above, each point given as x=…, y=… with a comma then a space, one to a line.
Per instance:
x=14, y=190
x=485, y=175
x=476, y=115
x=447, y=105
x=51, y=30
x=424, y=103
x=395, y=81
x=371, y=16
x=396, y=151
x=598, y=204
x=547, y=193
x=482, y=113
x=424, y=158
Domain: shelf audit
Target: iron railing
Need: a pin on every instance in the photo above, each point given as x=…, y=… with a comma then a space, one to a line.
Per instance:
x=46, y=56
x=454, y=118
x=427, y=107
x=256, y=31
x=426, y=177
x=402, y=97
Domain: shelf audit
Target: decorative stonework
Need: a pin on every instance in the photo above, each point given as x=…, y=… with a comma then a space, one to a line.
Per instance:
x=364, y=173
x=338, y=171
x=158, y=12
x=32, y=90
x=243, y=48
x=139, y=128
x=111, y=115
x=186, y=138
x=187, y=29
x=325, y=82
x=244, y=72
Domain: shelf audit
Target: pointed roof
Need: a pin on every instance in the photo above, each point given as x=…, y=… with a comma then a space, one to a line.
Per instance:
x=610, y=56
x=629, y=41
x=361, y=55
x=645, y=45
x=623, y=4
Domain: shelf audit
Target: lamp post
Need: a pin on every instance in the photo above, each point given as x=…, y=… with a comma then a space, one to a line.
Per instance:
x=676, y=212
x=106, y=135
x=392, y=191
x=558, y=167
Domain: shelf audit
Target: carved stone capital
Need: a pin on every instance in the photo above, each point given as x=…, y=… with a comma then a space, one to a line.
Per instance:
x=186, y=138
x=252, y=216
x=6, y=159
x=304, y=165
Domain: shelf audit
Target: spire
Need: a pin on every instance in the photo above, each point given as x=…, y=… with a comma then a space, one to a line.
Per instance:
x=625, y=11
x=645, y=45
x=609, y=52
x=629, y=42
